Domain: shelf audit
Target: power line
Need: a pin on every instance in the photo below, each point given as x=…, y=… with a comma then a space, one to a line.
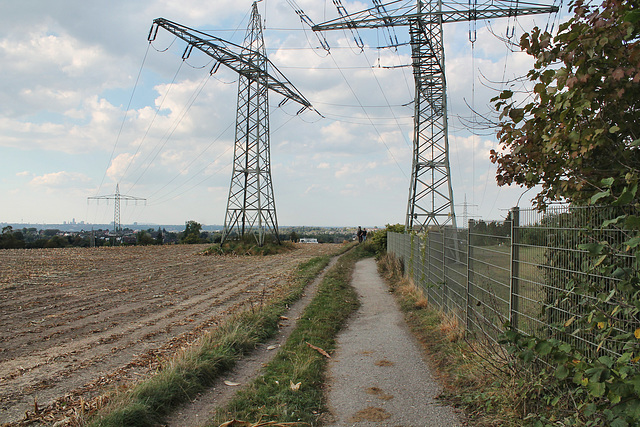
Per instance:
x=124, y=118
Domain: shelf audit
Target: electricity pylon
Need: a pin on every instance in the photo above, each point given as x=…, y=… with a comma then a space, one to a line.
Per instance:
x=117, y=197
x=251, y=206
x=430, y=193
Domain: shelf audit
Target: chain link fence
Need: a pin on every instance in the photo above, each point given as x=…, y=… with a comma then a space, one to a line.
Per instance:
x=517, y=271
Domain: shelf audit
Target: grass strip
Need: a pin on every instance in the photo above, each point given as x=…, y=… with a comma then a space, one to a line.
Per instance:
x=291, y=386
x=196, y=369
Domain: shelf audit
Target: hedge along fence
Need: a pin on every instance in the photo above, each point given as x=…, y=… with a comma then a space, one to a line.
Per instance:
x=534, y=270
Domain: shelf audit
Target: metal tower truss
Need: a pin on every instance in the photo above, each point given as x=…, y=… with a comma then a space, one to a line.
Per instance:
x=117, y=197
x=430, y=192
x=251, y=206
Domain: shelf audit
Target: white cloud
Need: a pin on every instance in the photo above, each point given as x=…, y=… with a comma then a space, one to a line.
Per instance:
x=60, y=180
x=119, y=165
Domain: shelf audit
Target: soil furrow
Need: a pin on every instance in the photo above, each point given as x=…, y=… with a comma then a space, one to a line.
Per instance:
x=73, y=325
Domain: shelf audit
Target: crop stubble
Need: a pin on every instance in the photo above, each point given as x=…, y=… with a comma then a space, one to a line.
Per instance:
x=75, y=321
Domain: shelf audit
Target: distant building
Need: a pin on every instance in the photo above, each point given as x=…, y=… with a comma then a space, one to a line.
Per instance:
x=308, y=240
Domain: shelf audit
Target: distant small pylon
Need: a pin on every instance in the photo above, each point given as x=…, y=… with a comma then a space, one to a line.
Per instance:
x=117, y=228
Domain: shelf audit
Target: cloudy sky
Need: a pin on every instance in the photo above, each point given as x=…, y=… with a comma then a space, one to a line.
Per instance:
x=87, y=103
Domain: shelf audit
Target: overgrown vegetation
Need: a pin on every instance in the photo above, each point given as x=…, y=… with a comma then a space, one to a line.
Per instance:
x=580, y=139
x=377, y=241
x=189, y=373
x=249, y=246
x=291, y=386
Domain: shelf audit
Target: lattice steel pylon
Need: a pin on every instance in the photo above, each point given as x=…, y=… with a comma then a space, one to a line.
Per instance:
x=251, y=203
x=117, y=197
x=251, y=206
x=430, y=193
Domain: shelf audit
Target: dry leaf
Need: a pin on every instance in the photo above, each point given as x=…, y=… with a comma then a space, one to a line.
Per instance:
x=272, y=347
x=319, y=350
x=230, y=383
x=294, y=387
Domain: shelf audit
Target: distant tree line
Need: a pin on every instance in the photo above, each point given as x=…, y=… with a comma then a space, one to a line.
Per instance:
x=31, y=238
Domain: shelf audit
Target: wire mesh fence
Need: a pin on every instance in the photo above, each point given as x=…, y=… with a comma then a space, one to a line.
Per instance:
x=521, y=270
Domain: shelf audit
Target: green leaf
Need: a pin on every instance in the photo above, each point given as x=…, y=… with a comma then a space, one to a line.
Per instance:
x=606, y=361
x=619, y=422
x=600, y=195
x=600, y=260
x=614, y=129
x=592, y=248
x=633, y=16
x=565, y=347
x=632, y=243
x=506, y=94
x=516, y=114
x=632, y=222
x=635, y=382
x=613, y=221
x=543, y=348
x=590, y=409
x=608, y=182
x=626, y=197
x=618, y=273
x=528, y=356
x=597, y=389
x=562, y=372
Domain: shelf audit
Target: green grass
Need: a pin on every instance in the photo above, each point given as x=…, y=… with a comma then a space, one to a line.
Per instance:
x=271, y=396
x=181, y=379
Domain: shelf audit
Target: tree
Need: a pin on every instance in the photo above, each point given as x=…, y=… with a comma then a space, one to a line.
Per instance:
x=579, y=136
x=10, y=239
x=580, y=139
x=191, y=233
x=144, y=238
x=160, y=236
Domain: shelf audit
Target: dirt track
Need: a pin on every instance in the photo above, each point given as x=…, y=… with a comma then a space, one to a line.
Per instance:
x=74, y=322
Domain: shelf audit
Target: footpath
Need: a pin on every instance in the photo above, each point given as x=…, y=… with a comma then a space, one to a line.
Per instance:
x=377, y=375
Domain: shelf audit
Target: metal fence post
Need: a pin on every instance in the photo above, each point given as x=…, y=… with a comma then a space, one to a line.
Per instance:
x=428, y=250
x=469, y=279
x=444, y=274
x=514, y=290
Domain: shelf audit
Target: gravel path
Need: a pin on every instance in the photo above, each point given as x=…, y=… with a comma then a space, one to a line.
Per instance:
x=377, y=375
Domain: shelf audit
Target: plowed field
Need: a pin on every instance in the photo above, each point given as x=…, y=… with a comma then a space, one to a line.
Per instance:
x=76, y=322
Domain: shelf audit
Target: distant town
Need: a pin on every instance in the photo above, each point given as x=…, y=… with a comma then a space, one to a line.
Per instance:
x=82, y=234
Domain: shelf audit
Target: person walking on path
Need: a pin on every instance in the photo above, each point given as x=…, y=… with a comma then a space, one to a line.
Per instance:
x=359, y=234
x=377, y=376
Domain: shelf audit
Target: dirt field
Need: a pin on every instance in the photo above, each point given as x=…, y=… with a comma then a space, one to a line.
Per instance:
x=76, y=322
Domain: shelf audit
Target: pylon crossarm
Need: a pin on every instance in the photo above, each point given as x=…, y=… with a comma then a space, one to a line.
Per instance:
x=399, y=13
x=242, y=60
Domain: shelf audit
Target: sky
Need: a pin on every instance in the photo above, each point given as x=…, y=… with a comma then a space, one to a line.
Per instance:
x=88, y=104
